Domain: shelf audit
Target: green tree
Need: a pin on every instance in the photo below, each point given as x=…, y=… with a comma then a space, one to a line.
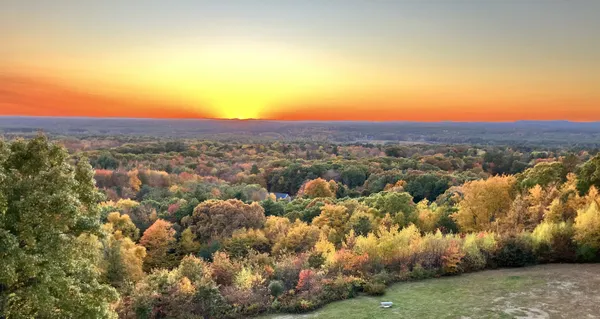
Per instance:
x=276, y=288
x=354, y=176
x=272, y=208
x=427, y=186
x=570, y=162
x=400, y=206
x=589, y=175
x=46, y=204
x=543, y=174
x=362, y=223
x=188, y=243
x=107, y=161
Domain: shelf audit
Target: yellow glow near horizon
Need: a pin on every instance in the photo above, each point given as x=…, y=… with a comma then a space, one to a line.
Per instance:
x=231, y=79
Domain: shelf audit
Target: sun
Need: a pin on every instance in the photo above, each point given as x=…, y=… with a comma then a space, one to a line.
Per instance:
x=237, y=104
x=238, y=111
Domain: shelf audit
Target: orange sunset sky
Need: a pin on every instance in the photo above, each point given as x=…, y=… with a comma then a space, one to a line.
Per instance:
x=420, y=60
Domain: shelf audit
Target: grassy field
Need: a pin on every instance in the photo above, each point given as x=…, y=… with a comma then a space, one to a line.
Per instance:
x=546, y=291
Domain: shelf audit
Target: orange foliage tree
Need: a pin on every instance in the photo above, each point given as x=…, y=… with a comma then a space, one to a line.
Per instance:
x=158, y=240
x=318, y=188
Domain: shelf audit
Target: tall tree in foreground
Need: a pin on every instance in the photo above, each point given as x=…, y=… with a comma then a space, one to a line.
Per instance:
x=46, y=204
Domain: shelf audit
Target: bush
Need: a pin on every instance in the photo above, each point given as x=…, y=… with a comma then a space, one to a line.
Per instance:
x=374, y=289
x=586, y=253
x=452, y=258
x=276, y=288
x=168, y=294
x=288, y=270
x=306, y=305
x=564, y=248
x=383, y=278
x=276, y=305
x=307, y=280
x=431, y=254
x=474, y=258
x=553, y=242
x=341, y=288
x=299, y=306
x=515, y=251
x=247, y=302
x=316, y=260
x=587, y=226
x=418, y=272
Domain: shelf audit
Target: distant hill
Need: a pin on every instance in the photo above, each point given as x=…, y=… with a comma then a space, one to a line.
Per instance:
x=547, y=133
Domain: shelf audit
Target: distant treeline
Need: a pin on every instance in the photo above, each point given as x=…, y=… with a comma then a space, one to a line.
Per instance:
x=523, y=133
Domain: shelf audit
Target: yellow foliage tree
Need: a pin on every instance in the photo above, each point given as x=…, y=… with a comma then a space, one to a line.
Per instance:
x=545, y=233
x=325, y=248
x=188, y=243
x=428, y=216
x=122, y=259
x=390, y=246
x=567, y=202
x=587, y=226
x=133, y=259
x=246, y=278
x=300, y=237
x=276, y=228
x=335, y=218
x=134, y=181
x=122, y=225
x=126, y=205
x=484, y=203
x=194, y=268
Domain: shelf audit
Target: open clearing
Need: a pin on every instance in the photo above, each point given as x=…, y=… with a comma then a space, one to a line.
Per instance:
x=545, y=291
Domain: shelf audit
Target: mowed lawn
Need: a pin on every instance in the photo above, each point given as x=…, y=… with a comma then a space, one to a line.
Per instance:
x=545, y=291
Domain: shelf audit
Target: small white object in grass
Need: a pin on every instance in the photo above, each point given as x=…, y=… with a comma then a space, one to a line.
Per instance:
x=386, y=304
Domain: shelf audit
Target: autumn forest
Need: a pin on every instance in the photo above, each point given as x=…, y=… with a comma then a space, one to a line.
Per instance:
x=105, y=226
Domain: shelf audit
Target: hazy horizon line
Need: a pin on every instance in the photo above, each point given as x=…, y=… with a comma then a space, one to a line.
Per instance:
x=279, y=120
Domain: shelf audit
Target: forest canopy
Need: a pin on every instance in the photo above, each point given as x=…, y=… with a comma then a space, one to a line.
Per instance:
x=137, y=227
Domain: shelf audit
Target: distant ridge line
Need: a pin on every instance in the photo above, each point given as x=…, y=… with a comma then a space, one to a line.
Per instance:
x=295, y=121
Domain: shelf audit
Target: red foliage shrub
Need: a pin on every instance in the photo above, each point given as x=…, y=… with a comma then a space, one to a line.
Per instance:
x=348, y=262
x=306, y=279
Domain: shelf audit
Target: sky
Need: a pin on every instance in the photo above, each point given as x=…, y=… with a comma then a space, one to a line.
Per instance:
x=377, y=60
